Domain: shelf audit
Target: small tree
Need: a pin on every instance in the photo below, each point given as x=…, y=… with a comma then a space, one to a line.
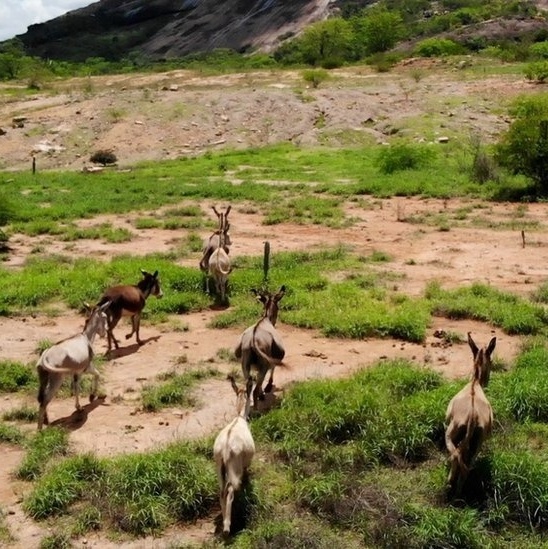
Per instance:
x=104, y=157
x=524, y=147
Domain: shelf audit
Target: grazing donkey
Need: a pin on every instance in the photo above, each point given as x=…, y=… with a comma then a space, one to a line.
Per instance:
x=71, y=356
x=469, y=417
x=214, y=241
x=260, y=345
x=233, y=451
x=129, y=301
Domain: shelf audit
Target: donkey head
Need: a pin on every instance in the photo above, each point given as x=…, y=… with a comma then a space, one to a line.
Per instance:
x=482, y=359
x=270, y=303
x=150, y=284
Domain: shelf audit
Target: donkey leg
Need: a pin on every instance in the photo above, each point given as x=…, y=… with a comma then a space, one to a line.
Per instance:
x=47, y=391
x=135, y=324
x=91, y=369
x=270, y=383
x=76, y=390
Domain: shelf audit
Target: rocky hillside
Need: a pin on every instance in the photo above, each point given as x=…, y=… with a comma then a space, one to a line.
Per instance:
x=173, y=28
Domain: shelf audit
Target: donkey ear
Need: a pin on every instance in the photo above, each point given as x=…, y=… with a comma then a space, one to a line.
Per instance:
x=87, y=307
x=232, y=383
x=228, y=209
x=280, y=294
x=143, y=272
x=155, y=274
x=105, y=306
x=472, y=344
x=491, y=346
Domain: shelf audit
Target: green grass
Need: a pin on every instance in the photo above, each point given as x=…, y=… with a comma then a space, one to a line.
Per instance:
x=511, y=313
x=174, y=389
x=15, y=376
x=24, y=413
x=41, y=448
x=52, y=200
x=11, y=434
x=138, y=493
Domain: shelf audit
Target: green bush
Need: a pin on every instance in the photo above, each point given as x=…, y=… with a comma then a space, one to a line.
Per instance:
x=537, y=71
x=523, y=149
x=539, y=50
x=437, y=47
x=315, y=76
x=403, y=156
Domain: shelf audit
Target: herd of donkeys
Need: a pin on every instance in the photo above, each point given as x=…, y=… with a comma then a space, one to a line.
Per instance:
x=469, y=414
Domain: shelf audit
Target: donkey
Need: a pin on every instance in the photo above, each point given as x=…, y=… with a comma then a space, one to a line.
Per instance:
x=129, y=301
x=261, y=346
x=469, y=417
x=70, y=356
x=214, y=241
x=233, y=451
x=219, y=268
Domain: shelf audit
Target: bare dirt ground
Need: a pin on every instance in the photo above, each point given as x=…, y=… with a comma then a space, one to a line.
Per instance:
x=258, y=109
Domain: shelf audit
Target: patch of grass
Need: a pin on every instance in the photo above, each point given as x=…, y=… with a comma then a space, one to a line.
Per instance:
x=481, y=302
x=23, y=413
x=11, y=434
x=136, y=493
x=64, y=484
x=15, y=376
x=175, y=391
x=43, y=446
x=57, y=540
x=5, y=534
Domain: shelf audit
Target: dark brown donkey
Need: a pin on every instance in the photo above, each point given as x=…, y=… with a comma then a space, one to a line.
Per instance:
x=129, y=301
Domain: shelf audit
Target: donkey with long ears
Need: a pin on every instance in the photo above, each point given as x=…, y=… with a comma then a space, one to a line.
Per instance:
x=233, y=451
x=219, y=269
x=469, y=417
x=260, y=345
x=129, y=300
x=71, y=356
x=214, y=241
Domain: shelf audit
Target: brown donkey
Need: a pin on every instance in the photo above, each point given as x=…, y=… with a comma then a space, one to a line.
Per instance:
x=129, y=301
x=260, y=345
x=469, y=418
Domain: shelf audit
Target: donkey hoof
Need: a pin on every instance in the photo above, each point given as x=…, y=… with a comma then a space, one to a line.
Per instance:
x=92, y=398
x=268, y=388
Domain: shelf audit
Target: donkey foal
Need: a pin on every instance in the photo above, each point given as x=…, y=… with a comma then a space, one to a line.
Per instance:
x=233, y=451
x=469, y=417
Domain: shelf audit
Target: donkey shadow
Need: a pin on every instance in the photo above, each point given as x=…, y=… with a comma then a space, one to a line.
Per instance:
x=78, y=417
x=129, y=349
x=245, y=501
x=269, y=402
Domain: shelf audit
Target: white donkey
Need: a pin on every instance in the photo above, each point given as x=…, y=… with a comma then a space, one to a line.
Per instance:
x=469, y=417
x=71, y=356
x=233, y=451
x=219, y=268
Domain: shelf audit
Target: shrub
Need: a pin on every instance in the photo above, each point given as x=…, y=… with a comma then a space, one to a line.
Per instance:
x=436, y=47
x=402, y=157
x=539, y=50
x=537, y=71
x=315, y=76
x=104, y=157
x=523, y=149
